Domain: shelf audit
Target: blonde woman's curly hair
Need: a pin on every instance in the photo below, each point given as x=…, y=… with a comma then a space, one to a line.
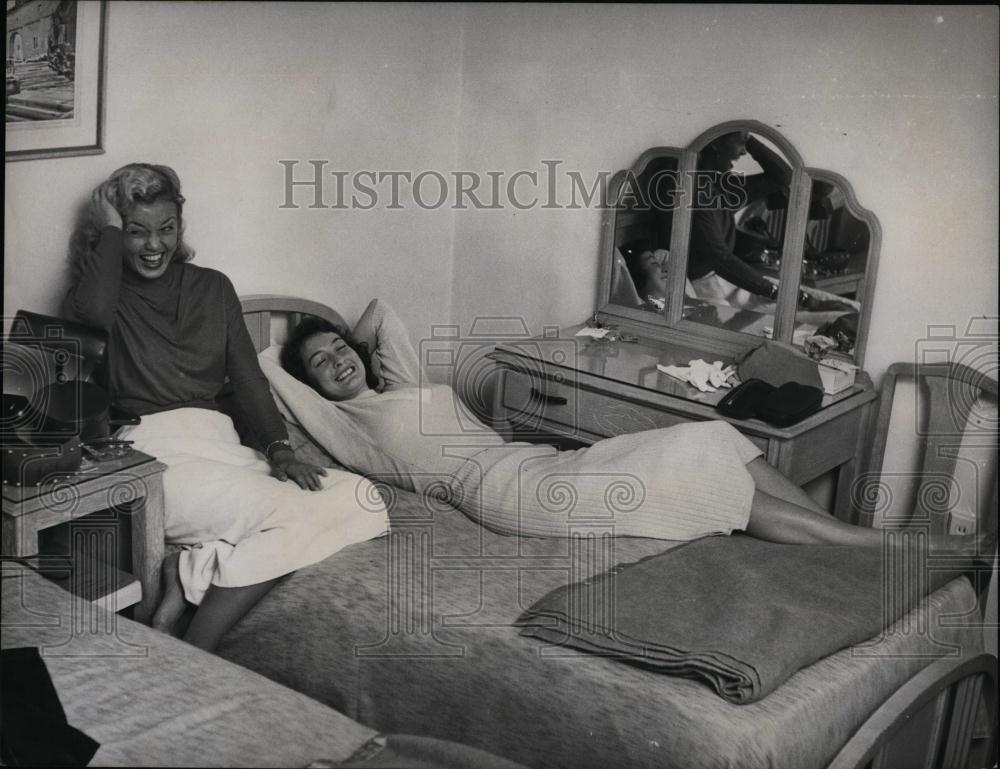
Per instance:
x=136, y=183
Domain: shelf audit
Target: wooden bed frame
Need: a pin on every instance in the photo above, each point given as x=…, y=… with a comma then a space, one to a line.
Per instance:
x=944, y=716
x=258, y=309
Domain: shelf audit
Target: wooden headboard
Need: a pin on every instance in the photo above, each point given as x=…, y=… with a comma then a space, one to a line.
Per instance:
x=259, y=308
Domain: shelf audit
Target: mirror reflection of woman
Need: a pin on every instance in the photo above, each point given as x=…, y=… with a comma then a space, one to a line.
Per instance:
x=713, y=267
x=648, y=270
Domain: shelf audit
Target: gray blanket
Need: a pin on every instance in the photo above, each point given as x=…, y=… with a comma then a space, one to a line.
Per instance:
x=741, y=614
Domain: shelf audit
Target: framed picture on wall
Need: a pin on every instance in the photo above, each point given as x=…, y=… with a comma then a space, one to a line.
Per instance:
x=54, y=101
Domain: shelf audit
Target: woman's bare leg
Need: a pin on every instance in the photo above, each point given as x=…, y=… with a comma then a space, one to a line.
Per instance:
x=771, y=482
x=172, y=604
x=220, y=609
x=778, y=520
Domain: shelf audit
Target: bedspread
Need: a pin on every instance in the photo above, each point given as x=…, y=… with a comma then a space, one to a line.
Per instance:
x=151, y=700
x=415, y=633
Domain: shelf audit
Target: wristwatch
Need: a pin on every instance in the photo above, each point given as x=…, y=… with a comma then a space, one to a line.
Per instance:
x=277, y=446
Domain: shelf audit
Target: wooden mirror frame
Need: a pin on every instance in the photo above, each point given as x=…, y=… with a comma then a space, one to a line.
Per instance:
x=670, y=325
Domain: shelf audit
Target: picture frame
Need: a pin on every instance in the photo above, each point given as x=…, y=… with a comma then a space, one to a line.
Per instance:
x=55, y=80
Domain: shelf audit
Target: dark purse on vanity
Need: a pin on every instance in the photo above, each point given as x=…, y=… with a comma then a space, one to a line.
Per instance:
x=780, y=406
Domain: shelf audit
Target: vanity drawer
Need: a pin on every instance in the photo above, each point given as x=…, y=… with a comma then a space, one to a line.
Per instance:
x=544, y=402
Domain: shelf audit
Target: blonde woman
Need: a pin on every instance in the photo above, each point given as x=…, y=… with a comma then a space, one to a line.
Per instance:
x=177, y=342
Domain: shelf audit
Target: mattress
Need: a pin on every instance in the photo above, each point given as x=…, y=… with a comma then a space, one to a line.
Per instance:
x=415, y=633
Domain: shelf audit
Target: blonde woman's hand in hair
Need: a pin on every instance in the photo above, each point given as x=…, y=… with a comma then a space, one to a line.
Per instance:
x=105, y=213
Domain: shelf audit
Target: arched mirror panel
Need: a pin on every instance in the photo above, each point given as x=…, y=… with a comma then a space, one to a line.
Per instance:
x=733, y=240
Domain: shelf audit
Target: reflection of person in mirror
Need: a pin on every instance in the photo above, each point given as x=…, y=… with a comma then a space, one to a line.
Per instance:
x=720, y=193
x=648, y=270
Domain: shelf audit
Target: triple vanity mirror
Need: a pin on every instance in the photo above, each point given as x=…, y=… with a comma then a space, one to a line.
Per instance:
x=732, y=240
x=706, y=251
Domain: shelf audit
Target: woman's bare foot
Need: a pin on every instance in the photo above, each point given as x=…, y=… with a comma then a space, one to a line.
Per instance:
x=971, y=546
x=172, y=604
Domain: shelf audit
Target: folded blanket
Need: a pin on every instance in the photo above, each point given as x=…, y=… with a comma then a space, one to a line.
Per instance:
x=736, y=612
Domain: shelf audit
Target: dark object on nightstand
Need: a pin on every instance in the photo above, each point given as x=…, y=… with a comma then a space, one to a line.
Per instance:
x=777, y=363
x=780, y=406
x=30, y=456
x=790, y=404
x=741, y=402
x=71, y=405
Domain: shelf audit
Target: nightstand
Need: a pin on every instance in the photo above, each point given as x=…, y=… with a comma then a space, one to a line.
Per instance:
x=135, y=481
x=577, y=389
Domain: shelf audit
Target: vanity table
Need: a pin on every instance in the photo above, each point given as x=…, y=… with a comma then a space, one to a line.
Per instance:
x=577, y=390
x=599, y=391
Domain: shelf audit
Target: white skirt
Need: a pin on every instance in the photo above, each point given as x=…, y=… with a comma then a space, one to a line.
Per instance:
x=238, y=525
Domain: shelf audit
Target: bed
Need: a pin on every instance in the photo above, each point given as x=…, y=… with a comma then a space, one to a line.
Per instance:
x=415, y=632
x=151, y=700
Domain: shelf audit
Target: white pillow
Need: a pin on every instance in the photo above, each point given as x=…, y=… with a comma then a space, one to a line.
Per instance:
x=364, y=331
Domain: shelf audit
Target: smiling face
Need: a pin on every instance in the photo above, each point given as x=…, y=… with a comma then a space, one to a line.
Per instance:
x=151, y=233
x=333, y=367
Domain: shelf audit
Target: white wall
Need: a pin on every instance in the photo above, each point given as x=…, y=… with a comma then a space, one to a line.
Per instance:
x=901, y=100
x=221, y=92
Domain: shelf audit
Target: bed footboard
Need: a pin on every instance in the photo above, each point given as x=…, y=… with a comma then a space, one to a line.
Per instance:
x=945, y=716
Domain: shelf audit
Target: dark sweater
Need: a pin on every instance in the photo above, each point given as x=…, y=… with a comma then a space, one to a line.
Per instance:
x=713, y=239
x=713, y=221
x=174, y=341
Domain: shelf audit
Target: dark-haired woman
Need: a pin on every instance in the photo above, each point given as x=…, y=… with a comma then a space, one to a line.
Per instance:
x=675, y=483
x=176, y=339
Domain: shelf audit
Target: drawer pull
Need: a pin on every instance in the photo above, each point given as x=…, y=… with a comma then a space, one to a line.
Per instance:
x=556, y=400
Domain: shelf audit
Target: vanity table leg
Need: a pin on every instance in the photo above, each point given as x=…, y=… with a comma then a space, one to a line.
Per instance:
x=853, y=472
x=148, y=546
